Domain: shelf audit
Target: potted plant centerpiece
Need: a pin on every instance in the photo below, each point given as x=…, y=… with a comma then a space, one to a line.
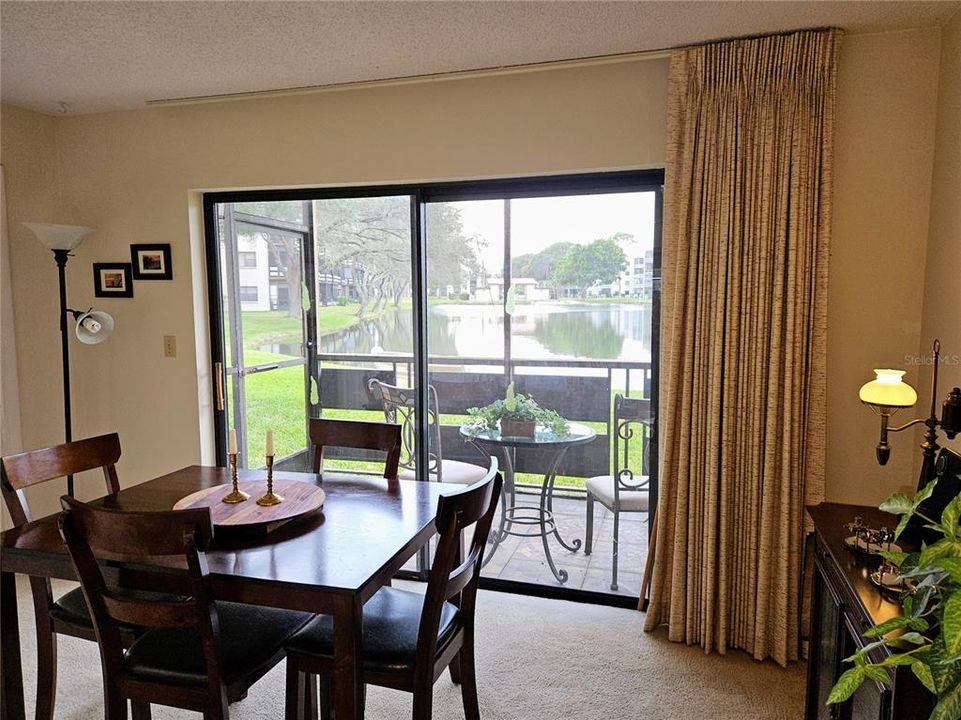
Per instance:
x=927, y=636
x=517, y=415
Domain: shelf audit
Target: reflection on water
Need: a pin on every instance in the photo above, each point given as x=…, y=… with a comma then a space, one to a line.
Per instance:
x=539, y=331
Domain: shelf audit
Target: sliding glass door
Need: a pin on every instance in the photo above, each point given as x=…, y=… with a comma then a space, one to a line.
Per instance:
x=263, y=249
x=551, y=296
x=327, y=301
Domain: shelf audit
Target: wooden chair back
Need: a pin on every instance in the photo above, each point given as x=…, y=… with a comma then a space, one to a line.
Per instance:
x=90, y=532
x=359, y=434
x=452, y=578
x=21, y=471
x=37, y=466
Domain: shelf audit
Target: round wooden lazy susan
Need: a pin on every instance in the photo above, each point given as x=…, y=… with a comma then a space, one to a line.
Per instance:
x=300, y=498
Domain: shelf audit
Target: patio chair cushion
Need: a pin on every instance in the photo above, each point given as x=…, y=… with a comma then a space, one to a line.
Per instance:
x=391, y=624
x=251, y=642
x=452, y=471
x=602, y=488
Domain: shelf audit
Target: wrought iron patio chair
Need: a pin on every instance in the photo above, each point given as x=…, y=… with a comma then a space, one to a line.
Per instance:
x=398, y=405
x=622, y=491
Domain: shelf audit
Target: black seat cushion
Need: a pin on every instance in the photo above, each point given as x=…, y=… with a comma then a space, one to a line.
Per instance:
x=251, y=643
x=391, y=622
x=71, y=608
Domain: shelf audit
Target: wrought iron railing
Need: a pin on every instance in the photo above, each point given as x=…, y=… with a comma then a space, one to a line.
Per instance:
x=580, y=390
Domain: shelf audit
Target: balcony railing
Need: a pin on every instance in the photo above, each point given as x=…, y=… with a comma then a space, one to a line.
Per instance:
x=580, y=390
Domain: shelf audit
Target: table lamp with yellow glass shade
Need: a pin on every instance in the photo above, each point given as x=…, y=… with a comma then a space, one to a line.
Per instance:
x=888, y=393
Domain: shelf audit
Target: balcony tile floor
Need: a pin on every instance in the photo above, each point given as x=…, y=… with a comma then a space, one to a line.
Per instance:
x=522, y=559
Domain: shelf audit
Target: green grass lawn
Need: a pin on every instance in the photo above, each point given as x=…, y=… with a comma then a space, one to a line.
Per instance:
x=276, y=399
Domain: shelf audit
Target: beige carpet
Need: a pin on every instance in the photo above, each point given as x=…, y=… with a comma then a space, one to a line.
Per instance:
x=537, y=659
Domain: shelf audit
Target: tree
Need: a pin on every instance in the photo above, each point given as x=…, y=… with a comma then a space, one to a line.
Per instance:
x=369, y=239
x=451, y=254
x=540, y=266
x=585, y=265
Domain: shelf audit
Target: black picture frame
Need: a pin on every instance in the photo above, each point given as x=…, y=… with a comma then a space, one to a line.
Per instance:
x=113, y=280
x=151, y=261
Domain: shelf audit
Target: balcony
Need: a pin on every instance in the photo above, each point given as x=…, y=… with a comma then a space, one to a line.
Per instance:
x=582, y=391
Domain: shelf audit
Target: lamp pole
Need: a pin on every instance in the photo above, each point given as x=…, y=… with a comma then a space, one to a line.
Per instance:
x=61, y=257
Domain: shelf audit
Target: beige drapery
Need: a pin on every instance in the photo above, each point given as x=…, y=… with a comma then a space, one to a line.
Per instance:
x=741, y=416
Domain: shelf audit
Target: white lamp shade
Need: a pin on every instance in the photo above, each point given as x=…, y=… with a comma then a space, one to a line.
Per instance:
x=59, y=237
x=94, y=327
x=888, y=390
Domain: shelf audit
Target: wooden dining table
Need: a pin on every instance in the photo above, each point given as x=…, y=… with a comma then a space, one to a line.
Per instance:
x=329, y=561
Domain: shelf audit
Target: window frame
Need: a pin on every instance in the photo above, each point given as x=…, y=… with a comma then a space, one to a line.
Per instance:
x=593, y=183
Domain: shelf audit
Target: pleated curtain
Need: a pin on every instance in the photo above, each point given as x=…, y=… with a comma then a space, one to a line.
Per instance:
x=741, y=419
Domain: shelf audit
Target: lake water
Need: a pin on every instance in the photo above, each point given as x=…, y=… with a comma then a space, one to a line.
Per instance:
x=538, y=331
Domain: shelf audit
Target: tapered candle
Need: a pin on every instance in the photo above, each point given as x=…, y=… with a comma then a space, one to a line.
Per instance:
x=232, y=442
x=270, y=443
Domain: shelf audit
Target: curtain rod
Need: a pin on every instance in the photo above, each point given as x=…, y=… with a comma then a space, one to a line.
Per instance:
x=590, y=61
x=427, y=77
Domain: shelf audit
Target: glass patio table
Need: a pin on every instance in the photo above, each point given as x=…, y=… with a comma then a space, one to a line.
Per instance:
x=532, y=520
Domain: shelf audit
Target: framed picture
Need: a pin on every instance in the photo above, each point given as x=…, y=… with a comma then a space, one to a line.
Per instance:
x=112, y=280
x=151, y=262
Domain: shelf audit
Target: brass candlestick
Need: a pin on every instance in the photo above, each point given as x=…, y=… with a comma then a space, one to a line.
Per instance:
x=236, y=495
x=270, y=498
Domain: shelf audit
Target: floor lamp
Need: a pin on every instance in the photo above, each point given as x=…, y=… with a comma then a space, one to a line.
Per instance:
x=90, y=326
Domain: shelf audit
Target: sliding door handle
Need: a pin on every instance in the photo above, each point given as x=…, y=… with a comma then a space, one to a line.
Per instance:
x=219, y=379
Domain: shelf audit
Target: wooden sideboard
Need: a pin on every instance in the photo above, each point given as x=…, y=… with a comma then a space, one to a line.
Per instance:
x=844, y=605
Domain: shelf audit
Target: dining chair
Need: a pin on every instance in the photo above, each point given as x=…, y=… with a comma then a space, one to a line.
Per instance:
x=195, y=653
x=357, y=434
x=398, y=404
x=409, y=638
x=68, y=614
x=620, y=491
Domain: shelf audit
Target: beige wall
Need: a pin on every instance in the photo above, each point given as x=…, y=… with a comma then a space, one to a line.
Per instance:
x=28, y=150
x=132, y=175
x=884, y=146
x=942, y=289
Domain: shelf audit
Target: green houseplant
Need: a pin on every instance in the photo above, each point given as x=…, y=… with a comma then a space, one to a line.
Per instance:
x=516, y=415
x=927, y=636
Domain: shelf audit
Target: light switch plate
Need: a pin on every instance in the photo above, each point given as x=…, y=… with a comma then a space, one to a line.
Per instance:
x=170, y=346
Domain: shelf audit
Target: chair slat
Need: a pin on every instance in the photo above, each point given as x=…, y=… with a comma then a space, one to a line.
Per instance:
x=360, y=434
x=154, y=533
x=37, y=466
x=150, y=614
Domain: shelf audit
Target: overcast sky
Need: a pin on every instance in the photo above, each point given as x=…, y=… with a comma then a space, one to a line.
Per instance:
x=539, y=222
